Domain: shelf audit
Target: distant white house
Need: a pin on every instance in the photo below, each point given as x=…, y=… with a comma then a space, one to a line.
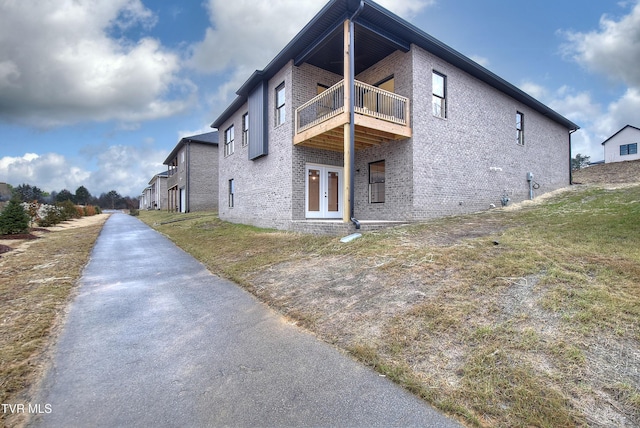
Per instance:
x=623, y=145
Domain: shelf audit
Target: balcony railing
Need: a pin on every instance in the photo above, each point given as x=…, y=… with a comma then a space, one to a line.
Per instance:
x=323, y=107
x=381, y=104
x=369, y=101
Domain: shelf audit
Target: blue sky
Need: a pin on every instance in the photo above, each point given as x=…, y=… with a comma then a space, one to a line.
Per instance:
x=98, y=92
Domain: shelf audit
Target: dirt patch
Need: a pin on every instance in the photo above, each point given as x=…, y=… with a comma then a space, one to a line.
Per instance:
x=609, y=173
x=345, y=299
x=16, y=236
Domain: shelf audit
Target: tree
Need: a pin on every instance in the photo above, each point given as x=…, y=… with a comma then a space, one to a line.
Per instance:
x=28, y=193
x=14, y=219
x=111, y=200
x=83, y=197
x=579, y=162
x=65, y=195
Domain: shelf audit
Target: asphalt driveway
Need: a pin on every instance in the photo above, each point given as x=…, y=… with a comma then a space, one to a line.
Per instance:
x=154, y=339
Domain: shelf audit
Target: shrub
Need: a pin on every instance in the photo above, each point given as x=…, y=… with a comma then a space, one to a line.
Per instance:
x=14, y=219
x=68, y=210
x=51, y=216
x=134, y=212
x=79, y=211
x=89, y=210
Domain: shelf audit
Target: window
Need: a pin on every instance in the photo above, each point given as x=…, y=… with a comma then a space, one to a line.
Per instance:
x=520, y=128
x=280, y=108
x=439, y=85
x=376, y=182
x=231, y=192
x=245, y=129
x=629, y=149
x=228, y=141
x=182, y=156
x=320, y=88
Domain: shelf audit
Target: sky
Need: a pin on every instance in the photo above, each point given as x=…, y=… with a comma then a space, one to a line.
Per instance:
x=97, y=93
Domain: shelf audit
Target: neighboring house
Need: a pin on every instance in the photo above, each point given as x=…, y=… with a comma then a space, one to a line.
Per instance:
x=145, y=199
x=623, y=145
x=192, y=176
x=5, y=192
x=158, y=191
x=364, y=117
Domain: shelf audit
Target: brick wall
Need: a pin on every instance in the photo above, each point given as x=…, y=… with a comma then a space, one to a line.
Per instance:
x=455, y=165
x=203, y=176
x=262, y=186
x=467, y=161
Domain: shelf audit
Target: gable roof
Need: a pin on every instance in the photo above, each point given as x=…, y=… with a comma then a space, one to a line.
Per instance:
x=623, y=128
x=163, y=174
x=378, y=33
x=206, y=138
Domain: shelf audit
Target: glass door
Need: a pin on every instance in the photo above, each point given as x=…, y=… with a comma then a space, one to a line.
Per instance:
x=323, y=188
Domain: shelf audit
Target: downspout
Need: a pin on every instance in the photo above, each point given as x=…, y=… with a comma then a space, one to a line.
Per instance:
x=571, y=131
x=352, y=105
x=188, y=171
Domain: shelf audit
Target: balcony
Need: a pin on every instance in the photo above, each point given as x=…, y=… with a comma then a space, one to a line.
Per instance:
x=380, y=116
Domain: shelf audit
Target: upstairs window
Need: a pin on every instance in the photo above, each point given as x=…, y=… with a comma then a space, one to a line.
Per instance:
x=629, y=149
x=376, y=182
x=245, y=129
x=520, y=128
x=439, y=103
x=280, y=105
x=228, y=141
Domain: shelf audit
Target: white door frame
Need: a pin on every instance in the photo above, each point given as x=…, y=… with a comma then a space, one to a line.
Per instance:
x=324, y=171
x=183, y=200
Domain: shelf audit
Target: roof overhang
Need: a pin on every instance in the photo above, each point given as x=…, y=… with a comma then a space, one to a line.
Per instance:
x=378, y=33
x=210, y=138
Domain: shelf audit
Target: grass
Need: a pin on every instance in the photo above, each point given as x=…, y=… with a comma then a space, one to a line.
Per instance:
x=542, y=329
x=35, y=286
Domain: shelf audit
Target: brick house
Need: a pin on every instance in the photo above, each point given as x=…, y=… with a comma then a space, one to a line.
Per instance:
x=157, y=192
x=623, y=145
x=192, y=175
x=365, y=118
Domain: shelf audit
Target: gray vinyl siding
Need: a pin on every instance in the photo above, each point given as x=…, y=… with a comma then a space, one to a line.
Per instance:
x=258, y=103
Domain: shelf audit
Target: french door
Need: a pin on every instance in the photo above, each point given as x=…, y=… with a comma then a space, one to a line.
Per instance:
x=323, y=191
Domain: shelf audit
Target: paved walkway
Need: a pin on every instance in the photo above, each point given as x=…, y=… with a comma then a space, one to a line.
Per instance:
x=155, y=340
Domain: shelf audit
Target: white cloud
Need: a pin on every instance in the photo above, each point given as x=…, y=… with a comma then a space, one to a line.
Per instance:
x=613, y=50
x=406, y=8
x=60, y=65
x=126, y=169
x=480, y=60
x=267, y=26
x=536, y=91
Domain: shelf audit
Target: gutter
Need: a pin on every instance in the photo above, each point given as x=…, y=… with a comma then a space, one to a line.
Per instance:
x=352, y=106
x=571, y=131
x=188, y=168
